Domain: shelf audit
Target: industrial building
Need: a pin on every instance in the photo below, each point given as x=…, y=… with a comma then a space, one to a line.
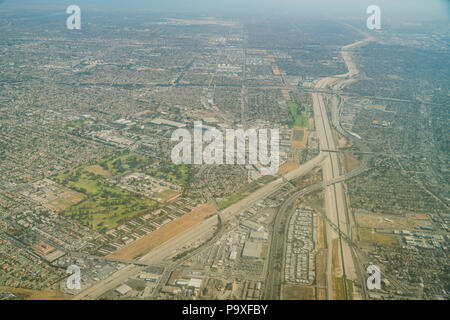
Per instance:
x=252, y=250
x=251, y=225
x=259, y=235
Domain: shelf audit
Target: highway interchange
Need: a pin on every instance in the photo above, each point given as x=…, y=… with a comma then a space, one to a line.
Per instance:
x=335, y=206
x=338, y=221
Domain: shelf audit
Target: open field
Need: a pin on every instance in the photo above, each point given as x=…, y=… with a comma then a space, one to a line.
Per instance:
x=288, y=166
x=335, y=262
x=52, y=196
x=300, y=119
x=392, y=222
x=164, y=233
x=337, y=280
x=230, y=200
x=321, y=281
x=340, y=289
x=67, y=199
x=350, y=163
x=299, y=138
x=167, y=195
x=297, y=292
x=380, y=239
x=320, y=233
x=28, y=294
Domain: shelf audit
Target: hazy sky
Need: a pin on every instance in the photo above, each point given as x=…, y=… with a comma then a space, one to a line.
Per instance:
x=391, y=9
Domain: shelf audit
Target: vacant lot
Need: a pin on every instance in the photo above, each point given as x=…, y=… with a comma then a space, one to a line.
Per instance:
x=320, y=233
x=67, y=199
x=391, y=222
x=288, y=166
x=350, y=163
x=299, y=138
x=297, y=292
x=230, y=200
x=167, y=195
x=28, y=294
x=164, y=233
x=381, y=239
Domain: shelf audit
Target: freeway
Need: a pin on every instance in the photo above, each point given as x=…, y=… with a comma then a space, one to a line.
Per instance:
x=334, y=196
x=338, y=222
x=161, y=253
x=155, y=256
x=274, y=277
x=335, y=199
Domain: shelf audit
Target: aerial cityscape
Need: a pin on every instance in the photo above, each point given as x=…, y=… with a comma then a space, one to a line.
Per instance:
x=203, y=153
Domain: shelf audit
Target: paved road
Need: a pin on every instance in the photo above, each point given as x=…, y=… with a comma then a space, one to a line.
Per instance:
x=335, y=200
x=159, y=254
x=338, y=225
x=334, y=197
x=275, y=264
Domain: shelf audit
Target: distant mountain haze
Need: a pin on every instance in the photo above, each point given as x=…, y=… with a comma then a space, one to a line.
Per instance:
x=391, y=9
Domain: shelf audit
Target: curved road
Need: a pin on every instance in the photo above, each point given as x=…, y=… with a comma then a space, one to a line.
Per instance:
x=339, y=223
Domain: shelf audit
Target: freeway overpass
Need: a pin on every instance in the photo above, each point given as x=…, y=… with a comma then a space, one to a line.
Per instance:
x=162, y=252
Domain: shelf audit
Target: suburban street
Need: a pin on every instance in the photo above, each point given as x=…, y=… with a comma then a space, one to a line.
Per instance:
x=159, y=254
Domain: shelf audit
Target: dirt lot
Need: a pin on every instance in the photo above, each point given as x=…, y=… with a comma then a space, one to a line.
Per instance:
x=350, y=163
x=276, y=71
x=288, y=166
x=391, y=222
x=168, y=195
x=164, y=233
x=29, y=294
x=299, y=137
x=67, y=199
x=297, y=292
x=381, y=239
x=320, y=235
